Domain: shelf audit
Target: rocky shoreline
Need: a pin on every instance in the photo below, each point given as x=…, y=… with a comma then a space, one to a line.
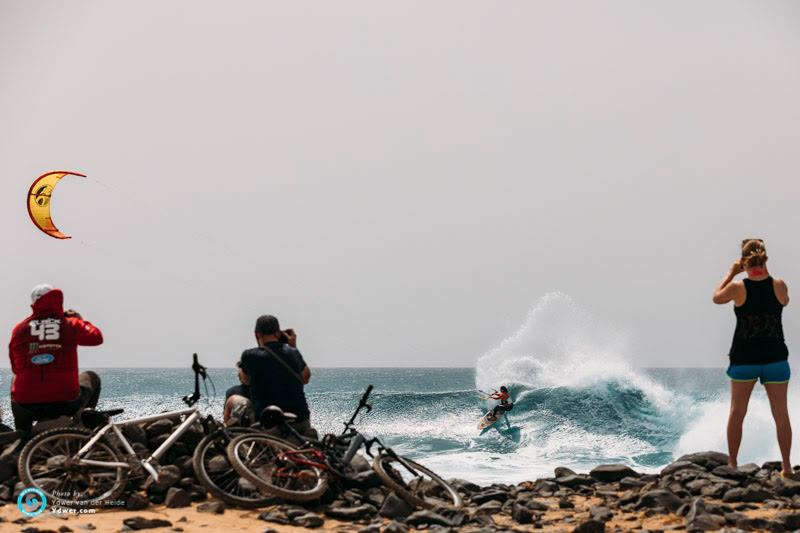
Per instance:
x=698, y=492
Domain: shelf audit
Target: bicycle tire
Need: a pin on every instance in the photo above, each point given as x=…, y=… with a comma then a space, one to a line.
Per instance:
x=393, y=480
x=237, y=450
x=79, y=435
x=225, y=486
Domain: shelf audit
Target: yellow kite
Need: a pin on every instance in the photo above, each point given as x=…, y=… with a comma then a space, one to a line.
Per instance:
x=39, y=197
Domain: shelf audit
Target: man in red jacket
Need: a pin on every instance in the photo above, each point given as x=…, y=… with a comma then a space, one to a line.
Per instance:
x=44, y=359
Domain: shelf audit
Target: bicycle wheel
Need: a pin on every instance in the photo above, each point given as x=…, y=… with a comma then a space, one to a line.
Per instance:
x=414, y=483
x=276, y=467
x=46, y=463
x=215, y=472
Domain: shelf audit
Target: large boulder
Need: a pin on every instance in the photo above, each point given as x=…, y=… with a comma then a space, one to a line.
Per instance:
x=709, y=460
x=699, y=519
x=659, y=498
x=612, y=472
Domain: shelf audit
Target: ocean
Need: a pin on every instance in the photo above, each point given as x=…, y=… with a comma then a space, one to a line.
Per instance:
x=579, y=402
x=431, y=415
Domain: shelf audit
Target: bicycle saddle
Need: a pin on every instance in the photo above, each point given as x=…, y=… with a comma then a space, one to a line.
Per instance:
x=272, y=416
x=92, y=418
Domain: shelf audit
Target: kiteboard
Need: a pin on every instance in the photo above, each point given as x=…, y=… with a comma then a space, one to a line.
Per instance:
x=487, y=421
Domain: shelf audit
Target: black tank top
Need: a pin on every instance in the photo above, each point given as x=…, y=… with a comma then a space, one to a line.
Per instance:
x=758, y=338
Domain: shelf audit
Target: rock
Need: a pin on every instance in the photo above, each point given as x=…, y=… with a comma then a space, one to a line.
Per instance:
x=697, y=485
x=367, y=479
x=590, y=526
x=215, y=507
x=427, y=518
x=351, y=513
x=309, y=520
x=544, y=486
x=395, y=527
x=659, y=498
x=709, y=460
x=730, y=473
x=395, y=507
x=491, y=507
x=522, y=514
x=787, y=487
x=677, y=466
x=535, y=505
x=167, y=477
x=750, y=469
x=574, y=480
x=564, y=503
x=135, y=433
x=698, y=519
x=374, y=527
x=462, y=485
x=612, y=472
x=137, y=523
x=600, y=513
x=177, y=498
x=752, y=493
x=714, y=491
x=136, y=502
x=631, y=483
x=790, y=521
x=185, y=465
x=487, y=495
x=775, y=466
x=159, y=427
x=562, y=471
x=274, y=517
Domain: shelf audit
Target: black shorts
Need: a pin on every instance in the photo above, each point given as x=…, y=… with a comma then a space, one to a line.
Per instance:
x=25, y=414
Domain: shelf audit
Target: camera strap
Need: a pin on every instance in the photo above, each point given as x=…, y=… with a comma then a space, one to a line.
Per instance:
x=285, y=365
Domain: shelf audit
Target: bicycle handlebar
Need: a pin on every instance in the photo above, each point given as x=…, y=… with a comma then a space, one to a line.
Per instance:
x=199, y=371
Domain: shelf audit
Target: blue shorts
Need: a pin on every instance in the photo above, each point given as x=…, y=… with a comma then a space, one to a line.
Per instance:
x=770, y=373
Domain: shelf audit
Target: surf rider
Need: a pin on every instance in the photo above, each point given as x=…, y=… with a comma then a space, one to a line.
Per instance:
x=505, y=404
x=758, y=351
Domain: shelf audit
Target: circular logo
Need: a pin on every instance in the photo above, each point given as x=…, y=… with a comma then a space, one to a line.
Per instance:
x=31, y=502
x=43, y=359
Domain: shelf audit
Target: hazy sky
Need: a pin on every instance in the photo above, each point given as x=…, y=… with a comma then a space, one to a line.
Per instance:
x=400, y=182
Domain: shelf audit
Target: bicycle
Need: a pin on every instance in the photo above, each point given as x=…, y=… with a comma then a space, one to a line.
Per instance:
x=92, y=465
x=302, y=473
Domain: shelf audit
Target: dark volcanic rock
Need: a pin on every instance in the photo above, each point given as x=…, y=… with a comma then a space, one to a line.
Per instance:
x=612, y=472
x=677, y=466
x=562, y=471
x=367, y=479
x=395, y=527
x=352, y=513
x=710, y=460
x=699, y=519
x=159, y=427
x=574, y=480
x=590, y=526
x=522, y=514
x=427, y=518
x=136, y=502
x=395, y=507
x=139, y=522
x=659, y=498
x=752, y=493
x=176, y=498
x=600, y=513
x=167, y=477
x=487, y=495
x=309, y=520
x=462, y=485
x=564, y=503
x=215, y=507
x=730, y=473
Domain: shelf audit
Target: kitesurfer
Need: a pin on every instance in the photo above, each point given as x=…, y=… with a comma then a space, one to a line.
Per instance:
x=44, y=360
x=505, y=404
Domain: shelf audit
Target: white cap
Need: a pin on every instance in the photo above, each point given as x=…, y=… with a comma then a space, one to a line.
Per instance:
x=39, y=291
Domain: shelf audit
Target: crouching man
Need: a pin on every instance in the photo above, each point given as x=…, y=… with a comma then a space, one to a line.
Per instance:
x=273, y=373
x=44, y=360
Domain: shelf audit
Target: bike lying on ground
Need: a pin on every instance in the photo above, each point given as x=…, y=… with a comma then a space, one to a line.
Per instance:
x=302, y=473
x=92, y=466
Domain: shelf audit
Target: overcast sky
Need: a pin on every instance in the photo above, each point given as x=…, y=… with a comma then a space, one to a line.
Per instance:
x=400, y=182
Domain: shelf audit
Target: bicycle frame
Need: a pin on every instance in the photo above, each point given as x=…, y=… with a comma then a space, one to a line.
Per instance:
x=192, y=415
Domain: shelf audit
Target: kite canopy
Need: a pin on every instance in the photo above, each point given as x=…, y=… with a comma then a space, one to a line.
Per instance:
x=39, y=198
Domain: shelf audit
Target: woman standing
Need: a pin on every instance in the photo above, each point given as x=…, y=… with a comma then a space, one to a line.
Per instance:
x=758, y=351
